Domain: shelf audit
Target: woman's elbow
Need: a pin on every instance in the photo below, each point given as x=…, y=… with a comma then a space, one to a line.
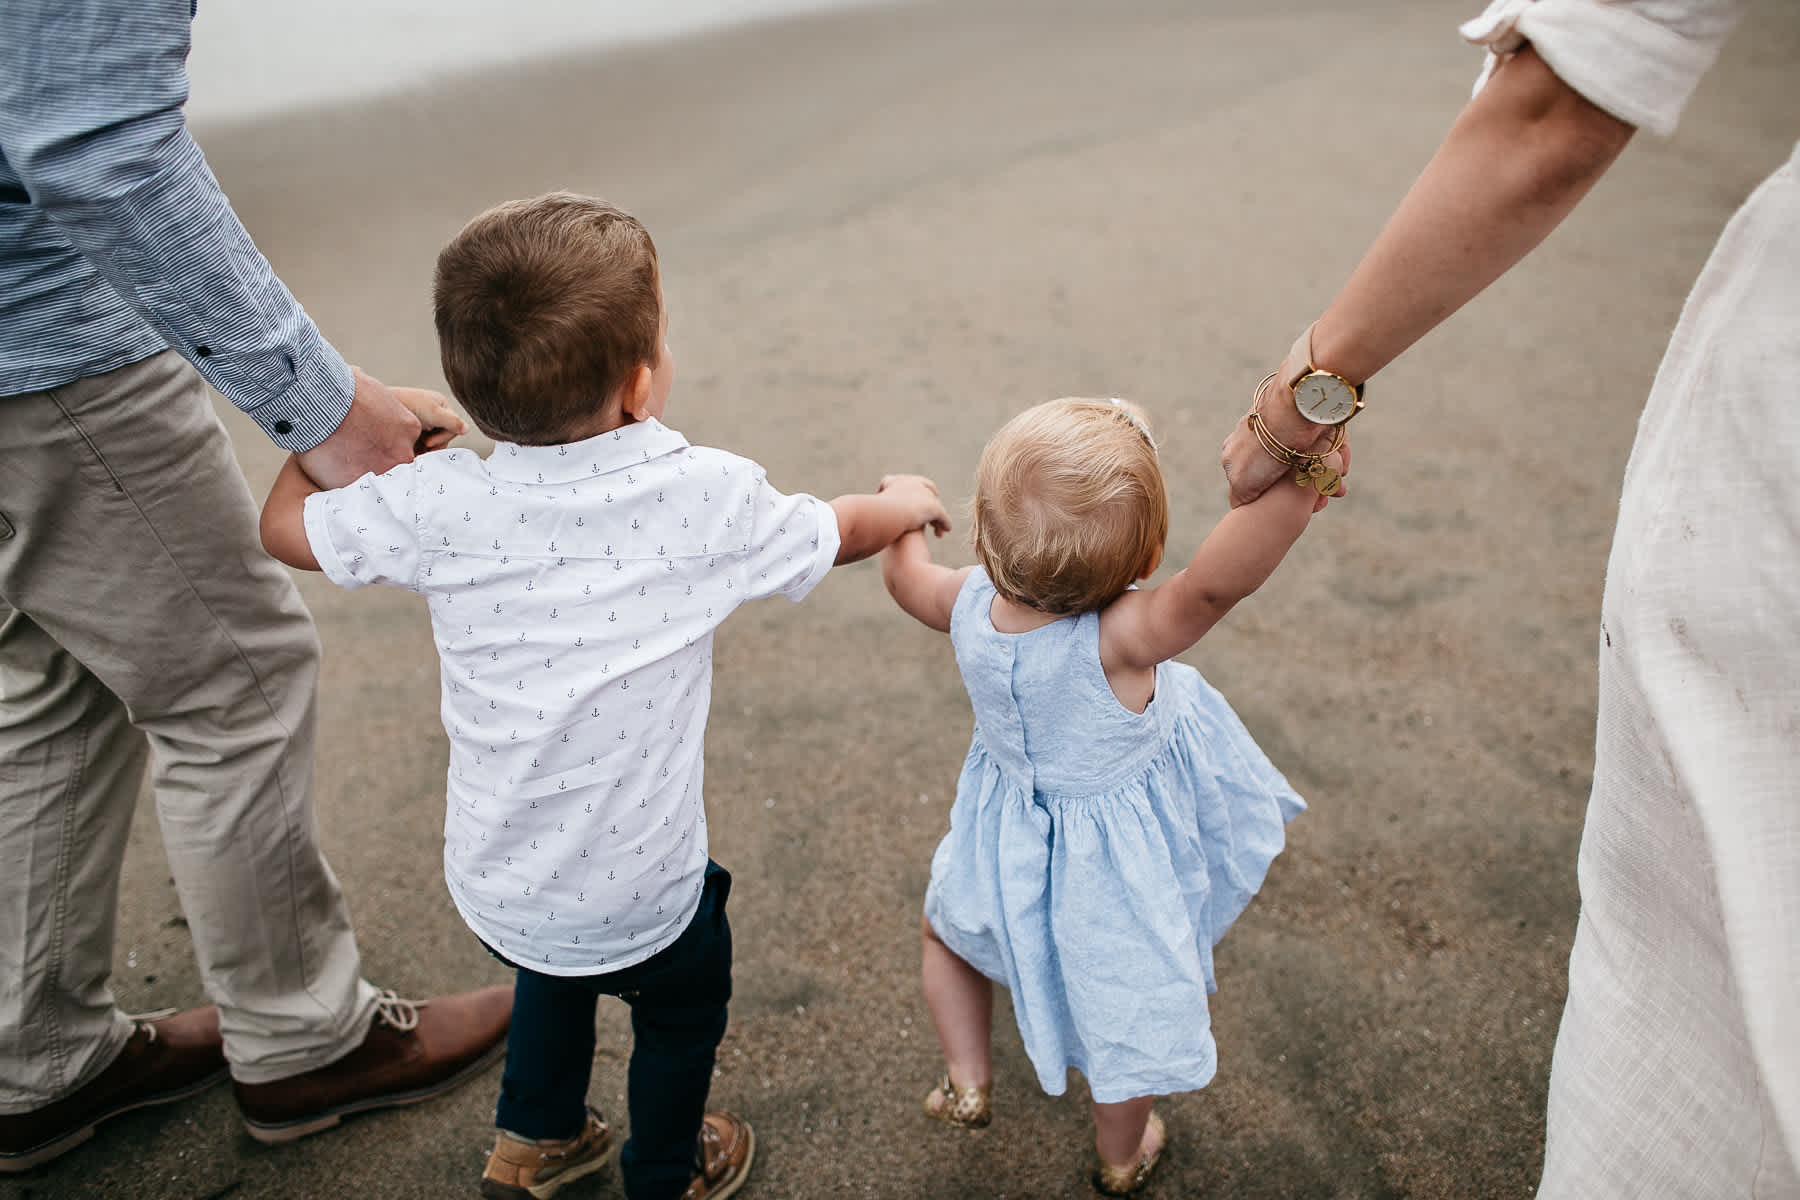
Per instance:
x=1565, y=141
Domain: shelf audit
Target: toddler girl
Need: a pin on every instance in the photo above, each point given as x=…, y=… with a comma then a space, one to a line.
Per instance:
x=1113, y=816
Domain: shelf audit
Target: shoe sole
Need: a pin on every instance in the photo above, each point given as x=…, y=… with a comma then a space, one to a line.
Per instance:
x=731, y=1189
x=279, y=1133
x=24, y=1160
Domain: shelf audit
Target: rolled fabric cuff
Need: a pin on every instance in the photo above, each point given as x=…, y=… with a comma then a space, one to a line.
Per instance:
x=1640, y=70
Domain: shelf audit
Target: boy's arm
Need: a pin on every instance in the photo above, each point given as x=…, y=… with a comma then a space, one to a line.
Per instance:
x=868, y=524
x=1249, y=542
x=284, y=512
x=284, y=517
x=921, y=587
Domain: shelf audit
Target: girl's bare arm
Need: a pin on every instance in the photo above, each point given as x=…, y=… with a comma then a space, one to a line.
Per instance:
x=1143, y=628
x=923, y=588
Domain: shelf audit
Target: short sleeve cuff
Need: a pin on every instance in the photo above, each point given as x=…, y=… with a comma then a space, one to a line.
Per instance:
x=312, y=408
x=317, y=521
x=1640, y=70
x=829, y=541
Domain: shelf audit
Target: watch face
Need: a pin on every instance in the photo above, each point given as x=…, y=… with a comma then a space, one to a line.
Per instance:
x=1324, y=398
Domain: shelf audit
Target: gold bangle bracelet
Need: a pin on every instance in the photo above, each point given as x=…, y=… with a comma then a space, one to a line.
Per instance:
x=1309, y=469
x=1278, y=450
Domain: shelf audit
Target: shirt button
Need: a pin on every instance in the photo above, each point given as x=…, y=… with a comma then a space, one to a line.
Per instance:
x=284, y=427
x=203, y=351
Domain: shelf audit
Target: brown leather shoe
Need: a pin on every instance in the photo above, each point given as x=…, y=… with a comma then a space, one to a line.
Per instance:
x=519, y=1169
x=416, y=1049
x=163, y=1061
x=722, y=1158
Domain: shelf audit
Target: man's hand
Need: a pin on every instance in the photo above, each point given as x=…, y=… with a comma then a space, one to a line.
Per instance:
x=378, y=432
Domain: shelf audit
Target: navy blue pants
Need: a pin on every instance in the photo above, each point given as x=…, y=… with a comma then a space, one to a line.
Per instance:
x=678, y=1000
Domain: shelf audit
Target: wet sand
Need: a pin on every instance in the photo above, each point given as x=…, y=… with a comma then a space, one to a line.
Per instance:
x=883, y=232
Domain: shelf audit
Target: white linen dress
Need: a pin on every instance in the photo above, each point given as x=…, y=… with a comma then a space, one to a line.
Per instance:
x=1677, y=1065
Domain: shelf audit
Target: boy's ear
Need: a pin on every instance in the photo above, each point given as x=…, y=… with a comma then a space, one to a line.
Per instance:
x=637, y=392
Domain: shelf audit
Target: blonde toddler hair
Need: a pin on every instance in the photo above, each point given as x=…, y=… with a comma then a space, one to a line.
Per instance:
x=1070, y=508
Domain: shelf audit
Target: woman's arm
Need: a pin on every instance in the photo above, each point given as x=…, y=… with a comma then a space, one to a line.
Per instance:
x=918, y=585
x=1519, y=158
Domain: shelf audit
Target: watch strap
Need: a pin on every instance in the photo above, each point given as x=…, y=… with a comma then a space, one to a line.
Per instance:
x=1299, y=364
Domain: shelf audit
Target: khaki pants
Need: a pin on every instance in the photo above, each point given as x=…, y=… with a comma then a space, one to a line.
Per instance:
x=140, y=621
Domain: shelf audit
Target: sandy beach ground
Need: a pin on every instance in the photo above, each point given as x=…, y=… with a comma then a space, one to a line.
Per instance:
x=883, y=232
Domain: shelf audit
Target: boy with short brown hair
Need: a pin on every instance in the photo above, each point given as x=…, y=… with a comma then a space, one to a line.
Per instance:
x=574, y=579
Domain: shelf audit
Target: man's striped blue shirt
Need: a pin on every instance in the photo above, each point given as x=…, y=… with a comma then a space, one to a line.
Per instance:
x=115, y=239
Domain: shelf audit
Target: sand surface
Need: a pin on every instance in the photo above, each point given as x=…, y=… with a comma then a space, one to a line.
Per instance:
x=883, y=232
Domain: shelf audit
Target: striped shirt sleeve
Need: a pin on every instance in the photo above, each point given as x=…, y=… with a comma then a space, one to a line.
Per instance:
x=91, y=96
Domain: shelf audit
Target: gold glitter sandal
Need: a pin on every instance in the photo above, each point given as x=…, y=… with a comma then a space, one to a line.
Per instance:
x=1127, y=1180
x=963, y=1107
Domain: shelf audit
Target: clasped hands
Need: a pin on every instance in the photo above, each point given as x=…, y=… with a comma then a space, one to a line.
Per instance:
x=385, y=426
x=1251, y=468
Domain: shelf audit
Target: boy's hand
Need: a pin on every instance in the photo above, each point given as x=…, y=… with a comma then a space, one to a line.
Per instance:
x=919, y=496
x=439, y=423
x=868, y=524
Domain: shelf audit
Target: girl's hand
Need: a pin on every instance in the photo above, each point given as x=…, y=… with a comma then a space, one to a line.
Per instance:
x=439, y=423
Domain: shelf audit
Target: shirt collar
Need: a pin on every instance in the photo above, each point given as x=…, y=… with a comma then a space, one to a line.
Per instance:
x=626, y=446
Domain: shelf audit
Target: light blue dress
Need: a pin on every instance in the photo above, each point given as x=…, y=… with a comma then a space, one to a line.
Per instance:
x=1096, y=855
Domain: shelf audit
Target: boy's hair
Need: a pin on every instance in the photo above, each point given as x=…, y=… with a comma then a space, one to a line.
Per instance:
x=544, y=309
x=1070, y=508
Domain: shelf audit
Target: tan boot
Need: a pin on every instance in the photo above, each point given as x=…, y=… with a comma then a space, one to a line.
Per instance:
x=722, y=1157
x=519, y=1168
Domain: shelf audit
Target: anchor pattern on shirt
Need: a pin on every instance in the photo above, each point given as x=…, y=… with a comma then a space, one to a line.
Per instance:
x=573, y=593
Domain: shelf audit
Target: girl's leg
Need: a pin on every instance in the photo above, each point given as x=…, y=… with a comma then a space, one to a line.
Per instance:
x=961, y=1000
x=1123, y=1134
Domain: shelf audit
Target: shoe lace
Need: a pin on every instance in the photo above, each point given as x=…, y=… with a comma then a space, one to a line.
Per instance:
x=397, y=1011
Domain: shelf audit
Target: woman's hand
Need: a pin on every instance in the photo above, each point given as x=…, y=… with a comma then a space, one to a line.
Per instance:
x=1251, y=470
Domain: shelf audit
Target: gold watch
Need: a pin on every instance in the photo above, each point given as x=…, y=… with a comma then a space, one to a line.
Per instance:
x=1322, y=397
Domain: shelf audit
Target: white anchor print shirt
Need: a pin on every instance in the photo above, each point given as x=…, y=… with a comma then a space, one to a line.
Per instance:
x=574, y=591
